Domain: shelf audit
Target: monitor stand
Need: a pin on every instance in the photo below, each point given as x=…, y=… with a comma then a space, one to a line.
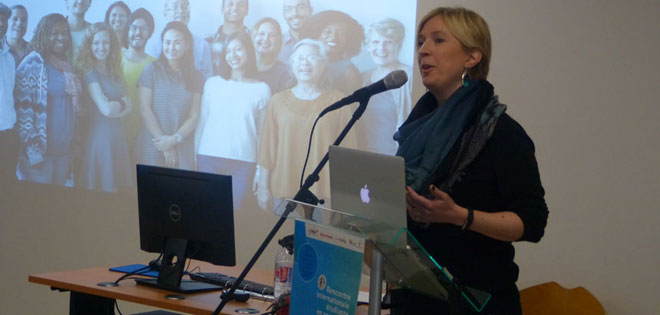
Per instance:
x=172, y=270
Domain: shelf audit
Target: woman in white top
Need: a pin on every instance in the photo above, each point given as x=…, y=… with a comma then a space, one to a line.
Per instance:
x=233, y=106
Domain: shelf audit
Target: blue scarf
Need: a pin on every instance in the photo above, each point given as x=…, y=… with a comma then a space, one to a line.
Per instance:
x=424, y=143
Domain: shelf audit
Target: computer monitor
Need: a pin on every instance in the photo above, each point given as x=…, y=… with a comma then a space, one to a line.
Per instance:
x=185, y=214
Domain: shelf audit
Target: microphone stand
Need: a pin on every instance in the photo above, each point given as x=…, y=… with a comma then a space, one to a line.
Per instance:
x=303, y=195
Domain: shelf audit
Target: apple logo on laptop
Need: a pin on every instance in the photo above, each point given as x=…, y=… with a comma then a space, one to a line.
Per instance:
x=364, y=194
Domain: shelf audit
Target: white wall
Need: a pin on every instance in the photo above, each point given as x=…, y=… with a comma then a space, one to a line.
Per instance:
x=580, y=76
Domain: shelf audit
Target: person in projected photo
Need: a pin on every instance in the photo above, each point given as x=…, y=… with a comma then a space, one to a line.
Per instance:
x=233, y=13
x=217, y=53
x=76, y=10
x=17, y=27
x=140, y=27
x=117, y=17
x=342, y=36
x=170, y=91
x=106, y=162
x=46, y=95
x=267, y=37
x=295, y=13
x=231, y=119
x=7, y=111
x=179, y=11
x=386, y=111
x=288, y=123
x=473, y=180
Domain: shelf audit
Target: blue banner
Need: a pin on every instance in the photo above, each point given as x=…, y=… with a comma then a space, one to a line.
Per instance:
x=326, y=271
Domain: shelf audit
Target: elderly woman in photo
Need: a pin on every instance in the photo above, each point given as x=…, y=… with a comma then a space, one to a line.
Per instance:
x=46, y=96
x=232, y=116
x=386, y=111
x=116, y=16
x=267, y=37
x=473, y=180
x=106, y=162
x=342, y=36
x=289, y=119
x=170, y=91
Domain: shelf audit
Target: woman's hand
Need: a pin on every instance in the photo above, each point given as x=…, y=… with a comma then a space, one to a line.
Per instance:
x=164, y=142
x=441, y=208
x=263, y=197
x=171, y=159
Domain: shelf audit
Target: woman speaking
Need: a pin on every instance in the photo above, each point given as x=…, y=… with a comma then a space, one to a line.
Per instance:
x=472, y=177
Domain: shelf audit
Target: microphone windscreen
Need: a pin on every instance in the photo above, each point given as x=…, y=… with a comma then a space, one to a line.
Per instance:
x=395, y=79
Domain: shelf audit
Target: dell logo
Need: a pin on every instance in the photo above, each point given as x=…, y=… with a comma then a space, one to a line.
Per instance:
x=174, y=213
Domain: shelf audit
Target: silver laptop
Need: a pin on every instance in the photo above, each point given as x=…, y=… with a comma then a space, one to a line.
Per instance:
x=369, y=185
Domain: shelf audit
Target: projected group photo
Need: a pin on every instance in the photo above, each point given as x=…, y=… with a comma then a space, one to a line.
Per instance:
x=221, y=86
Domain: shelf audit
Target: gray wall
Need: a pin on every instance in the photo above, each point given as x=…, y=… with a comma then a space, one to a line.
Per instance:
x=578, y=75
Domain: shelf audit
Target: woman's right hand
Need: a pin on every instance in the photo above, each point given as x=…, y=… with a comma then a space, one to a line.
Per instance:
x=260, y=187
x=171, y=159
x=263, y=197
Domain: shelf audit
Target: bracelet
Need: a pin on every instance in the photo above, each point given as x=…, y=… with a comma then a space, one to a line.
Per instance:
x=468, y=220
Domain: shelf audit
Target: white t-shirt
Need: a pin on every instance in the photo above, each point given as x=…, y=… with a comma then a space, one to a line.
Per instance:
x=231, y=118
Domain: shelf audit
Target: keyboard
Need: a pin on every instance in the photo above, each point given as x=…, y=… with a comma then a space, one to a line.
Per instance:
x=256, y=290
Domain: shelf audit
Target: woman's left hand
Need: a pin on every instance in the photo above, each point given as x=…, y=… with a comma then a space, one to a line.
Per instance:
x=441, y=208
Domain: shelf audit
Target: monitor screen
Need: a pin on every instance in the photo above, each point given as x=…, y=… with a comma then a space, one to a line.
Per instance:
x=185, y=214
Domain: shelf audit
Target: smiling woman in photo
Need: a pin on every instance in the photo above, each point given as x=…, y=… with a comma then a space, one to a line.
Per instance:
x=288, y=123
x=342, y=37
x=117, y=16
x=232, y=116
x=170, y=91
x=46, y=96
x=387, y=110
x=106, y=162
x=267, y=38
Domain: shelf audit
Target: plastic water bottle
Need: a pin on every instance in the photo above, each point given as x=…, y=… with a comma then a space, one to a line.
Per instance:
x=284, y=267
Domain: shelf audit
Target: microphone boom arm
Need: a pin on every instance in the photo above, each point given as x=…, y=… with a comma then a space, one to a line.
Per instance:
x=303, y=195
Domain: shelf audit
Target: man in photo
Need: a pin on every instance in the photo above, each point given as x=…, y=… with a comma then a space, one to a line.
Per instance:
x=76, y=10
x=296, y=13
x=140, y=27
x=234, y=13
x=8, y=153
x=16, y=31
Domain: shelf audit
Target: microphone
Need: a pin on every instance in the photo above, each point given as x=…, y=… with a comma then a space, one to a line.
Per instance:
x=393, y=80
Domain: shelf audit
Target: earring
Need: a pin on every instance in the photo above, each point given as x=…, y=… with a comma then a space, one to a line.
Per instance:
x=464, y=78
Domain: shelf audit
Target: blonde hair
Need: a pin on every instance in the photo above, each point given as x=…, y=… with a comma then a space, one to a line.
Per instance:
x=470, y=29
